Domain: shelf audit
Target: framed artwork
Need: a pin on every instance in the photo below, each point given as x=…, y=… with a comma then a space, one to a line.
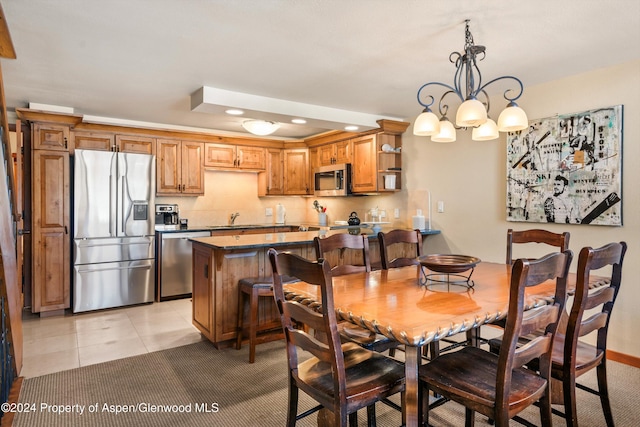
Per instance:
x=567, y=169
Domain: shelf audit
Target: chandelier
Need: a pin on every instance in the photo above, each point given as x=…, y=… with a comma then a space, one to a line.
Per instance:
x=260, y=127
x=472, y=113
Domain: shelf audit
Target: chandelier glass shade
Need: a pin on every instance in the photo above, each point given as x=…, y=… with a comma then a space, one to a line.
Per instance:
x=260, y=127
x=472, y=112
x=447, y=132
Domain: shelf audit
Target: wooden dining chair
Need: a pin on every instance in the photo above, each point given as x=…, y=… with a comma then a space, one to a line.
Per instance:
x=346, y=253
x=498, y=385
x=396, y=242
x=342, y=378
x=349, y=253
x=559, y=240
x=573, y=357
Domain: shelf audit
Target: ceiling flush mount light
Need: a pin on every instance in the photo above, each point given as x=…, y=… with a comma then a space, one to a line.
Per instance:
x=472, y=112
x=260, y=127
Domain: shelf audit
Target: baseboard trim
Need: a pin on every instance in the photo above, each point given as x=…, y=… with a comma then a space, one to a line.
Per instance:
x=623, y=358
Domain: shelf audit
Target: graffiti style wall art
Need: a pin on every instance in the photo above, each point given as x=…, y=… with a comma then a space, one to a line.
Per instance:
x=567, y=169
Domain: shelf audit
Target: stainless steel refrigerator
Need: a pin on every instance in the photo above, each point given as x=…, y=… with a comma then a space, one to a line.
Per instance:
x=113, y=229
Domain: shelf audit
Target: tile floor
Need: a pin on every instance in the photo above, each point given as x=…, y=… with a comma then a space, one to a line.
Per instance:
x=53, y=344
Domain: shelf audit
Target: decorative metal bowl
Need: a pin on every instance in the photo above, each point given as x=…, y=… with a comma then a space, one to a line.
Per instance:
x=449, y=264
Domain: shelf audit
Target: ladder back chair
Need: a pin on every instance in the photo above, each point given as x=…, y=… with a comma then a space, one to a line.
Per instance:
x=342, y=378
x=399, y=239
x=350, y=254
x=573, y=357
x=498, y=385
x=559, y=240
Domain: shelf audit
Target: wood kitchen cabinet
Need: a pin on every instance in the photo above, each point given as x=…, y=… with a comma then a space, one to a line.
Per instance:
x=50, y=231
x=216, y=273
x=224, y=156
x=113, y=142
x=93, y=141
x=179, y=169
x=202, y=293
x=135, y=144
x=296, y=171
x=364, y=164
x=49, y=136
x=271, y=181
x=336, y=153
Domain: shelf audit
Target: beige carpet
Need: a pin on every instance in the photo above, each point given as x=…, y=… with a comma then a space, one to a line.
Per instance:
x=198, y=385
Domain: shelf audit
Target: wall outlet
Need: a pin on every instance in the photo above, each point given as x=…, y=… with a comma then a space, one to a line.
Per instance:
x=440, y=206
x=268, y=212
x=396, y=213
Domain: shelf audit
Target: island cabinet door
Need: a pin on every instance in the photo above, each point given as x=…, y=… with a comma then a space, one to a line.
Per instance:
x=202, y=293
x=230, y=268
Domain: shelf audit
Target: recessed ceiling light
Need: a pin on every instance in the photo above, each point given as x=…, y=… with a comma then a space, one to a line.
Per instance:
x=351, y=128
x=234, y=112
x=298, y=121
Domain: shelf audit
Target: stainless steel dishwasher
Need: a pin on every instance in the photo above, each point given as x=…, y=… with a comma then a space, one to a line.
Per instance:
x=176, y=269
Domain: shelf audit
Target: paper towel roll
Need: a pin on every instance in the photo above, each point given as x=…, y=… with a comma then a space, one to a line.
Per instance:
x=418, y=222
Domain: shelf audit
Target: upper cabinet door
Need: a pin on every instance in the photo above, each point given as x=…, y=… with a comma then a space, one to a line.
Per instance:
x=93, y=141
x=192, y=171
x=327, y=154
x=51, y=137
x=363, y=167
x=135, y=144
x=343, y=152
x=296, y=171
x=219, y=156
x=168, y=168
x=251, y=158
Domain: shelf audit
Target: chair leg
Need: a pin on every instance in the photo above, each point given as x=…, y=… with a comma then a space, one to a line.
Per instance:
x=424, y=401
x=371, y=415
x=469, y=417
x=353, y=419
x=545, y=408
x=253, y=324
x=603, y=389
x=569, y=394
x=293, y=404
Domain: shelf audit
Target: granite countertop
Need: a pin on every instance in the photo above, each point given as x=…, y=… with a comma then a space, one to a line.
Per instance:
x=177, y=229
x=254, y=241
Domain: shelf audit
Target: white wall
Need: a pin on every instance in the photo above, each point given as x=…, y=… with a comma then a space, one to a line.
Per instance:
x=470, y=176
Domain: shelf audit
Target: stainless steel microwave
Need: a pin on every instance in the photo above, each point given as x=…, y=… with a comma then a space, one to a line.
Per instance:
x=332, y=180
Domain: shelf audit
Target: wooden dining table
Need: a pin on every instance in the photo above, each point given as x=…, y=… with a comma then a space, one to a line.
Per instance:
x=400, y=304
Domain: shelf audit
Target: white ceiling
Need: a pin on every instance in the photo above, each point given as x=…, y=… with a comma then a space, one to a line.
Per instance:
x=140, y=60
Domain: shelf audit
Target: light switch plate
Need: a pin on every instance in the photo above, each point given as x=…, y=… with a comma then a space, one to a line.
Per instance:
x=396, y=213
x=268, y=212
x=440, y=206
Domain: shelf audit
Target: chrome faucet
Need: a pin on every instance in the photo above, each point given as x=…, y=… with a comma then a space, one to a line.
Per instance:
x=233, y=217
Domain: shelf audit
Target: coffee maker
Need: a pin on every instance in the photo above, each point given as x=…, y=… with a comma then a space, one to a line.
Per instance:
x=167, y=214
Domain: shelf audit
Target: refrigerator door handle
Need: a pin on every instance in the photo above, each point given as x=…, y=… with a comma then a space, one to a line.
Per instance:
x=93, y=269
x=80, y=245
x=110, y=210
x=123, y=217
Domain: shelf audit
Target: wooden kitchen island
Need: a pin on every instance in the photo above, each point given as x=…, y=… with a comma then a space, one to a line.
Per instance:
x=220, y=261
